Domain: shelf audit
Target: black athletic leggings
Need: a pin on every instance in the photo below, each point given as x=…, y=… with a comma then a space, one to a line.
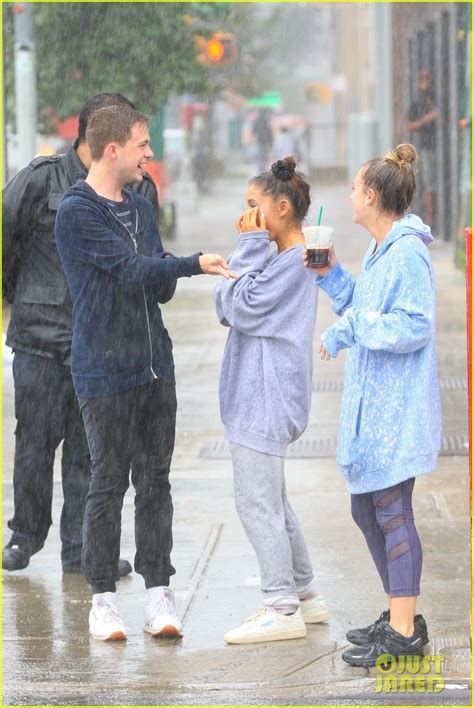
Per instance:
x=386, y=519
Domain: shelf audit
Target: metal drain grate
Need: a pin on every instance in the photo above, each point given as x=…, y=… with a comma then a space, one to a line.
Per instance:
x=306, y=448
x=325, y=447
x=327, y=386
x=455, y=445
x=453, y=383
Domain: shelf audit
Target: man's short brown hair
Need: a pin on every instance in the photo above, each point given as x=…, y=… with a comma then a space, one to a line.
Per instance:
x=111, y=124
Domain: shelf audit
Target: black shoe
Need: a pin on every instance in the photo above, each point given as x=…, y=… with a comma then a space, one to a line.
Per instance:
x=15, y=557
x=365, y=636
x=388, y=642
x=124, y=568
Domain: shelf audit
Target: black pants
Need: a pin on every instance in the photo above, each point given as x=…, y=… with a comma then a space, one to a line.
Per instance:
x=133, y=430
x=47, y=412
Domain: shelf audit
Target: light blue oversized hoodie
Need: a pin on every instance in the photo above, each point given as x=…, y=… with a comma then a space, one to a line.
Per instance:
x=390, y=424
x=265, y=380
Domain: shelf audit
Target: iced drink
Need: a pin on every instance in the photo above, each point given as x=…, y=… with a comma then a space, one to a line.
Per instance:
x=318, y=239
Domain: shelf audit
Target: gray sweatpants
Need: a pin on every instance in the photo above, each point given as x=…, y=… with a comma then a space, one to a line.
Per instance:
x=271, y=525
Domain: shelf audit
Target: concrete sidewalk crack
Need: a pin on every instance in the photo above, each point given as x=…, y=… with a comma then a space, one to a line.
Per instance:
x=308, y=663
x=201, y=568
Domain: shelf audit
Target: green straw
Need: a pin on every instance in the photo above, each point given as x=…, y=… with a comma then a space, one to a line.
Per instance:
x=320, y=215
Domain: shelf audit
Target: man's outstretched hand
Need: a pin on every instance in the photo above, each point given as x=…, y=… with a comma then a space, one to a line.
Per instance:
x=214, y=264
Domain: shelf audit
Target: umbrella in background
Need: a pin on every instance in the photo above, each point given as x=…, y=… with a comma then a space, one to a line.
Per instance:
x=289, y=121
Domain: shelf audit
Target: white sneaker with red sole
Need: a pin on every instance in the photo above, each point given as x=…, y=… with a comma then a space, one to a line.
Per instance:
x=161, y=619
x=105, y=622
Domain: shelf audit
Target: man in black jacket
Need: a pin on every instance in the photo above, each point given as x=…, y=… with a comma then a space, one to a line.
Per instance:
x=40, y=333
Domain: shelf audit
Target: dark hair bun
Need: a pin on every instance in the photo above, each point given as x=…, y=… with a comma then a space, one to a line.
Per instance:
x=284, y=169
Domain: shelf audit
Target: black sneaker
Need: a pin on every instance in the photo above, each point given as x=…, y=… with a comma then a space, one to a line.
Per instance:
x=365, y=636
x=387, y=641
x=124, y=568
x=15, y=557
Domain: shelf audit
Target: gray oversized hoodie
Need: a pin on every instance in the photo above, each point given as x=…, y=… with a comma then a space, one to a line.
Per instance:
x=265, y=380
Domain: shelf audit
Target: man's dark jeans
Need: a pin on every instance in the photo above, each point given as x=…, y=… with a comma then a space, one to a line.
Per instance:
x=47, y=412
x=132, y=430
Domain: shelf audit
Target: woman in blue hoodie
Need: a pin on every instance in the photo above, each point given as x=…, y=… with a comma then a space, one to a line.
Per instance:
x=265, y=394
x=390, y=426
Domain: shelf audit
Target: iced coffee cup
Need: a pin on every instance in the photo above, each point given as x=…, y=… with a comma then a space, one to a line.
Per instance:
x=317, y=239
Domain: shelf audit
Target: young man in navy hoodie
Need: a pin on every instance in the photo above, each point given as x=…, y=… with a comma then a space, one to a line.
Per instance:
x=122, y=364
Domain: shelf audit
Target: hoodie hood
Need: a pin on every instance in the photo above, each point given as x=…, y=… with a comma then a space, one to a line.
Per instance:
x=408, y=225
x=411, y=224
x=82, y=189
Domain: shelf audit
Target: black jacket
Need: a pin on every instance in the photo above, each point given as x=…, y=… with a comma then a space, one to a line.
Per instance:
x=33, y=279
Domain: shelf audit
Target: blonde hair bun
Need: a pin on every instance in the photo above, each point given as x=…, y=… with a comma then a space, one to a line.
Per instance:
x=402, y=155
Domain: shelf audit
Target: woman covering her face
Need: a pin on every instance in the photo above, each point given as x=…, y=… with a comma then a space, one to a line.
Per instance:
x=265, y=394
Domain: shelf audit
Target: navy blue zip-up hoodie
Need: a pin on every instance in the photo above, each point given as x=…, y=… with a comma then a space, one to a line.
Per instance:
x=116, y=278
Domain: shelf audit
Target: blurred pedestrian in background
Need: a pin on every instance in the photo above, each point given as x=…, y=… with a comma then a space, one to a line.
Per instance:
x=265, y=395
x=122, y=363
x=263, y=133
x=39, y=332
x=201, y=151
x=390, y=425
x=422, y=121
x=284, y=144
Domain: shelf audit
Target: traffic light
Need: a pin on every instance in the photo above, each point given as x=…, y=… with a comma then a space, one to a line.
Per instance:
x=218, y=50
x=215, y=50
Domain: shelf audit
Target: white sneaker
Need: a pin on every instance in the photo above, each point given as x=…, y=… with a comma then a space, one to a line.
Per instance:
x=105, y=622
x=268, y=625
x=160, y=615
x=314, y=609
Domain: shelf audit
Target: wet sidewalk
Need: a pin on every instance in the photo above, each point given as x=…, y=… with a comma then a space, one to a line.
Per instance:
x=48, y=656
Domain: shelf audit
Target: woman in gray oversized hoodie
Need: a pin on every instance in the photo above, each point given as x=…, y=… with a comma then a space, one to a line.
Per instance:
x=265, y=394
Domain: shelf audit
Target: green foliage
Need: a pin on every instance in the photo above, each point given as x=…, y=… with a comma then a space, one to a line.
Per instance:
x=209, y=10
x=145, y=51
